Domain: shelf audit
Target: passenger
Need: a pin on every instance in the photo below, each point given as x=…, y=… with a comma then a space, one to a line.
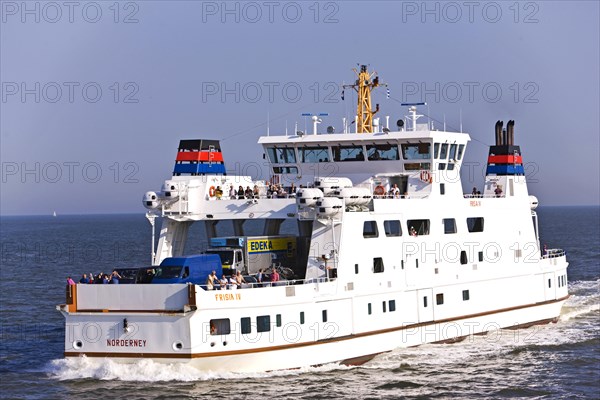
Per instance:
x=239, y=279
x=395, y=191
x=248, y=193
x=213, y=329
x=240, y=192
x=84, y=279
x=223, y=283
x=232, y=282
x=232, y=193
x=218, y=193
x=498, y=191
x=255, y=192
x=114, y=277
x=99, y=278
x=293, y=190
x=70, y=281
x=105, y=279
x=210, y=281
x=474, y=192
x=259, y=277
x=405, y=195
x=274, y=275
x=479, y=194
x=91, y=278
x=413, y=232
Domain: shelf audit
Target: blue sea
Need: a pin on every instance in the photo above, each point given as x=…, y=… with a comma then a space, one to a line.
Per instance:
x=559, y=360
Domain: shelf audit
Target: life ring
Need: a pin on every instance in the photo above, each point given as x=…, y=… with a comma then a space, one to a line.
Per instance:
x=425, y=176
x=211, y=191
x=379, y=190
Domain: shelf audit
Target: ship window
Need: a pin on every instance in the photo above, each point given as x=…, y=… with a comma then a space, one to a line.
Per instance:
x=436, y=150
x=442, y=166
x=220, y=326
x=392, y=228
x=475, y=224
x=439, y=298
x=383, y=152
x=369, y=310
x=278, y=155
x=421, y=226
x=466, y=295
x=356, y=268
x=449, y=225
x=285, y=170
x=383, y=306
x=324, y=315
x=370, y=229
x=481, y=256
x=418, y=151
x=461, y=149
x=186, y=272
x=301, y=317
x=245, y=325
x=392, y=305
x=402, y=264
x=263, y=323
x=377, y=265
x=452, y=152
x=450, y=166
x=463, y=257
x=549, y=284
x=313, y=154
x=278, y=320
x=417, y=166
x=416, y=263
x=442, y=188
x=425, y=301
x=348, y=153
x=444, y=151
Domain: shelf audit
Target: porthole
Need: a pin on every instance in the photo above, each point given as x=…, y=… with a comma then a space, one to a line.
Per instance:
x=78, y=344
x=177, y=346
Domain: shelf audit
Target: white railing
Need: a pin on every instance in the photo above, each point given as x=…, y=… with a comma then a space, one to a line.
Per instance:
x=483, y=196
x=554, y=253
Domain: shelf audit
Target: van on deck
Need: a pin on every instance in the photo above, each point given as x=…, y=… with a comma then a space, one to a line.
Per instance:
x=190, y=269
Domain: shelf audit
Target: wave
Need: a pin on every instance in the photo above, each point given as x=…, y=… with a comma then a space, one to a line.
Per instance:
x=151, y=371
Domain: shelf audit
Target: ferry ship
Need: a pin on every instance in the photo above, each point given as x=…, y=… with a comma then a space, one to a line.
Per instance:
x=388, y=252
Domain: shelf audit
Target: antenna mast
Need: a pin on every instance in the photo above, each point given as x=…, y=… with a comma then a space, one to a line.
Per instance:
x=364, y=84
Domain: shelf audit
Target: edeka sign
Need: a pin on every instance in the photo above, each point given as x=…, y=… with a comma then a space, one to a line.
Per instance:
x=269, y=245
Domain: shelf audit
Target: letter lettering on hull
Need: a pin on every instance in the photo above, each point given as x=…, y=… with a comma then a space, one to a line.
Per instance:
x=126, y=342
x=228, y=296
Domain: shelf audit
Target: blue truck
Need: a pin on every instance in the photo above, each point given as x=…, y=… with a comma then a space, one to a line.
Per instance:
x=189, y=269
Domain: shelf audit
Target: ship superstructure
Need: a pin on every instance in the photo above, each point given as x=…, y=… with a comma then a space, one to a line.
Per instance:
x=388, y=252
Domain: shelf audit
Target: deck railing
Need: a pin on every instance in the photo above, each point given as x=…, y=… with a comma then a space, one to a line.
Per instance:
x=554, y=253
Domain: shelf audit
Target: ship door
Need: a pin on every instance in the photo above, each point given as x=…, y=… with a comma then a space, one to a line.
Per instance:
x=549, y=286
x=425, y=302
x=401, y=181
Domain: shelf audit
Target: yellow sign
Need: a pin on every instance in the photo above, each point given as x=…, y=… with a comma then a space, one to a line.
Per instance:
x=270, y=245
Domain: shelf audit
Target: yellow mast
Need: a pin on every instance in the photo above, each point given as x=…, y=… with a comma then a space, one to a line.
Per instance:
x=364, y=84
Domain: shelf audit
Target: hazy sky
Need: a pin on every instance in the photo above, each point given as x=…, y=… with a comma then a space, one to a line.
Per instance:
x=96, y=95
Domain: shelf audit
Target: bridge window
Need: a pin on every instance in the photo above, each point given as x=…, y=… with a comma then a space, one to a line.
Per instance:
x=419, y=151
x=449, y=225
x=220, y=326
x=452, y=152
x=384, y=152
x=278, y=320
x=463, y=257
x=369, y=309
x=324, y=315
x=475, y=224
x=442, y=166
x=461, y=149
x=436, y=150
x=466, y=295
x=392, y=305
x=444, y=151
x=313, y=154
x=420, y=226
x=279, y=155
x=377, y=265
x=370, y=229
x=450, y=166
x=285, y=170
x=245, y=325
x=392, y=228
x=301, y=317
x=348, y=153
x=263, y=323
x=383, y=305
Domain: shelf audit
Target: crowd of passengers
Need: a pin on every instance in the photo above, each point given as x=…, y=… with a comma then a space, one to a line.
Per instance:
x=100, y=278
x=236, y=280
x=272, y=191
